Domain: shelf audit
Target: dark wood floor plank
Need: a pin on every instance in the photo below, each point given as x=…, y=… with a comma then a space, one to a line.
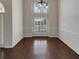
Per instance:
x=39, y=48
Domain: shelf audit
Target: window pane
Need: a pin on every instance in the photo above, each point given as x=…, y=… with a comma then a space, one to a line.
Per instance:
x=40, y=25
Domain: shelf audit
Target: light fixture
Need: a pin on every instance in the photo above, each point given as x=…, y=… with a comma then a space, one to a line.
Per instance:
x=2, y=9
x=42, y=5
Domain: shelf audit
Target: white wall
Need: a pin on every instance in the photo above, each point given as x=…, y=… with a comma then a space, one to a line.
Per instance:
x=17, y=21
x=69, y=23
x=28, y=17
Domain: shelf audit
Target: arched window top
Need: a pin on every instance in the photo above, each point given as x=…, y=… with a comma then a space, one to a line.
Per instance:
x=2, y=8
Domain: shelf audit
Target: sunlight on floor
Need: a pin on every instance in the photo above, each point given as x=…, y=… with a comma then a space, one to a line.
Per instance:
x=40, y=47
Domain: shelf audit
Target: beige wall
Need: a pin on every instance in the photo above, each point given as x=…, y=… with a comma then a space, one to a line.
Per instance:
x=1, y=32
x=27, y=26
x=52, y=18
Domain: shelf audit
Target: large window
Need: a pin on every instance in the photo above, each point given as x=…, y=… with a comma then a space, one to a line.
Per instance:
x=40, y=25
x=40, y=21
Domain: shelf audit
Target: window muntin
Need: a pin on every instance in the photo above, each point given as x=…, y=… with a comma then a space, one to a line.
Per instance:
x=40, y=25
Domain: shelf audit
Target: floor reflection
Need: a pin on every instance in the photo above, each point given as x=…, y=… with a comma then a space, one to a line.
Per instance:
x=40, y=47
x=40, y=43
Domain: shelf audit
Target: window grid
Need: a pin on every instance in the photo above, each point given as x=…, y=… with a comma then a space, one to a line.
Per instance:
x=40, y=25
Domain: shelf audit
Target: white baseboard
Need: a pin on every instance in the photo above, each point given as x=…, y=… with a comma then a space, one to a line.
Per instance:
x=71, y=39
x=14, y=44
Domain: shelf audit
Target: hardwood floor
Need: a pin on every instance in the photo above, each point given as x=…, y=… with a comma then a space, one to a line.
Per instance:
x=39, y=48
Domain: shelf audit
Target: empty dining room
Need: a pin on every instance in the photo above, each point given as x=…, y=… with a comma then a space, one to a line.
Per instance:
x=39, y=29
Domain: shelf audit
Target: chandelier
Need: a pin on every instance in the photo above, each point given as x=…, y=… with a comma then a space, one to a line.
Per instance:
x=42, y=5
